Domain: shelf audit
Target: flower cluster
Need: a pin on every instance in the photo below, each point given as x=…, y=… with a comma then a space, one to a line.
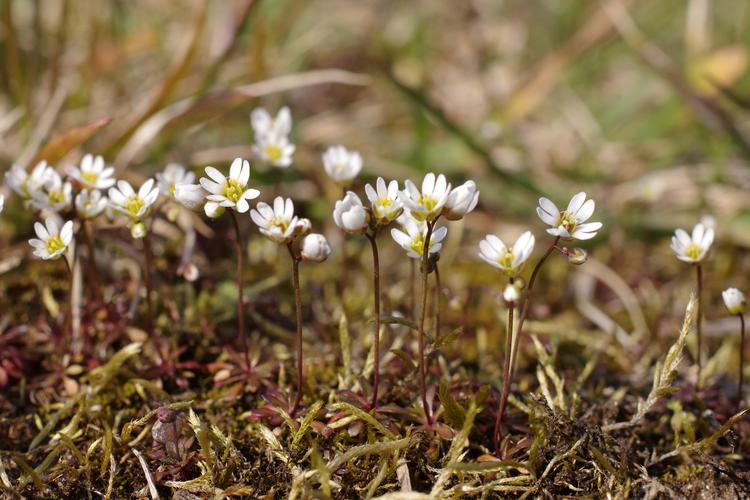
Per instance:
x=272, y=143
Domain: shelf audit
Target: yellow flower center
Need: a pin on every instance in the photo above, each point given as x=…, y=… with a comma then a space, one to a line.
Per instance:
x=506, y=260
x=567, y=221
x=170, y=190
x=233, y=190
x=693, y=251
x=54, y=243
x=133, y=205
x=89, y=177
x=280, y=222
x=55, y=197
x=428, y=202
x=273, y=152
x=382, y=206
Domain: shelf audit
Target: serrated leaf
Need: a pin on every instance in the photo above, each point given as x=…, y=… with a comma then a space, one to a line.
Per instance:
x=454, y=413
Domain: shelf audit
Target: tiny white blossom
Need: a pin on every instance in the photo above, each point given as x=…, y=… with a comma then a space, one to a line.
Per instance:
x=278, y=223
x=50, y=242
x=428, y=203
x=412, y=238
x=569, y=224
x=213, y=209
x=693, y=248
x=230, y=192
x=511, y=293
x=173, y=175
x=26, y=184
x=734, y=300
x=315, y=248
x=462, y=200
x=89, y=204
x=386, y=205
x=341, y=164
x=93, y=173
x=263, y=123
x=56, y=195
x=2, y=202
x=136, y=206
x=275, y=149
x=350, y=215
x=189, y=195
x=508, y=259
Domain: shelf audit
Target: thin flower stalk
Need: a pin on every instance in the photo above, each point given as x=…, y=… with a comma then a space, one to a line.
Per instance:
x=742, y=359
x=240, y=289
x=88, y=236
x=506, y=372
x=147, y=268
x=423, y=314
x=298, y=318
x=699, y=319
x=376, y=332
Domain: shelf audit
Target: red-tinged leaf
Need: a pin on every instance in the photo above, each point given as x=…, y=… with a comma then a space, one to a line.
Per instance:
x=61, y=145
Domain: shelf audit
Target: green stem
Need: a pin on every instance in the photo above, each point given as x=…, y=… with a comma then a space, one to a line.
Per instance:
x=423, y=314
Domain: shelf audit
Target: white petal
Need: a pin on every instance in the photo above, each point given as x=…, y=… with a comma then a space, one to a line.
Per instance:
x=576, y=202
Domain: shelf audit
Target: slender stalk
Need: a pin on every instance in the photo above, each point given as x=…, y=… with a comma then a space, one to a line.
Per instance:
x=438, y=294
x=240, y=290
x=519, y=331
x=376, y=338
x=298, y=311
x=425, y=292
x=699, y=320
x=506, y=374
x=413, y=289
x=88, y=234
x=742, y=358
x=147, y=276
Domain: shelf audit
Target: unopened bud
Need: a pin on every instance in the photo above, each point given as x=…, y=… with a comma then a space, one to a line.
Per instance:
x=577, y=256
x=138, y=230
x=511, y=293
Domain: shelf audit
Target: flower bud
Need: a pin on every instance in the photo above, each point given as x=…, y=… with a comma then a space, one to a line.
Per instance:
x=461, y=201
x=315, y=248
x=138, y=230
x=577, y=256
x=213, y=209
x=189, y=195
x=511, y=293
x=734, y=300
x=350, y=215
x=303, y=227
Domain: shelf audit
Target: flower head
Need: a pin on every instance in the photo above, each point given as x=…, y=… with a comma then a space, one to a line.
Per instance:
x=50, y=242
x=315, y=248
x=508, y=259
x=569, y=224
x=385, y=201
x=462, y=200
x=693, y=248
x=340, y=164
x=279, y=223
x=136, y=206
x=734, y=300
x=25, y=183
x=263, y=123
x=89, y=204
x=412, y=238
x=56, y=194
x=428, y=203
x=350, y=215
x=173, y=175
x=232, y=191
x=93, y=173
x=275, y=149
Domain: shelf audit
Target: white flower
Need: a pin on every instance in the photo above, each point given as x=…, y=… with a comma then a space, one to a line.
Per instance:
x=136, y=206
x=213, y=209
x=173, y=175
x=340, y=164
x=385, y=202
x=26, y=184
x=569, y=224
x=411, y=238
x=693, y=248
x=56, y=195
x=315, y=248
x=90, y=204
x=232, y=191
x=734, y=300
x=51, y=243
x=511, y=293
x=278, y=223
x=350, y=215
x=462, y=200
x=275, y=149
x=427, y=204
x=2, y=202
x=510, y=260
x=189, y=195
x=264, y=124
x=93, y=173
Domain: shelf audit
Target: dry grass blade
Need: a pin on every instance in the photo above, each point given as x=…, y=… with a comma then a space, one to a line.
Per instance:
x=363, y=416
x=367, y=449
x=147, y=473
x=58, y=147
